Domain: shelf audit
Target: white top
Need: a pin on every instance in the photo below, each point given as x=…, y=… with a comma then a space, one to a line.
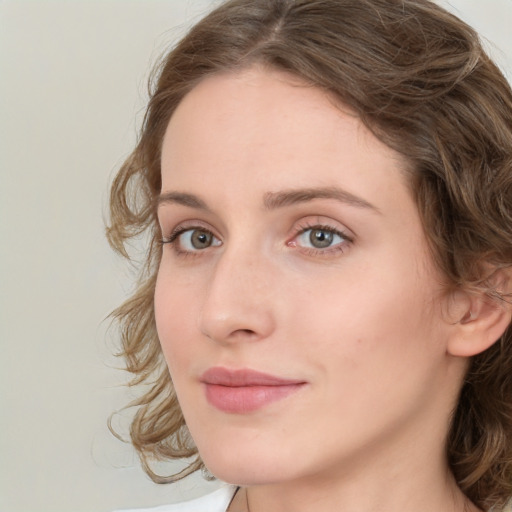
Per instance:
x=217, y=501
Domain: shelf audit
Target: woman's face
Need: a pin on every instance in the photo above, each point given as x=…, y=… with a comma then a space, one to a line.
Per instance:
x=296, y=302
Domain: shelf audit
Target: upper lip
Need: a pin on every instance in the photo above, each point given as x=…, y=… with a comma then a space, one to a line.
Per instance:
x=244, y=377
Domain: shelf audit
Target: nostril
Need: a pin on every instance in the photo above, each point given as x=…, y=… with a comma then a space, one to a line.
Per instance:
x=243, y=333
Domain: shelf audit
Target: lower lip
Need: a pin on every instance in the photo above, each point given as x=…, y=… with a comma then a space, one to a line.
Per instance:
x=245, y=399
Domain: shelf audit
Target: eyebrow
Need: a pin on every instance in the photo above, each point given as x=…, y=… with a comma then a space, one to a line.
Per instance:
x=275, y=200
x=190, y=200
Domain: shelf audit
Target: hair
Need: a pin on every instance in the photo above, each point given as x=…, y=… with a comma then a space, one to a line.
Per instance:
x=419, y=79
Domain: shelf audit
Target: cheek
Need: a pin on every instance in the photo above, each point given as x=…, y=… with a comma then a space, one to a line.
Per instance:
x=175, y=316
x=376, y=317
x=377, y=354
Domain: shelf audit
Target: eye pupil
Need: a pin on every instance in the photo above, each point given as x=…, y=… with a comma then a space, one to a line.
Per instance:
x=320, y=238
x=201, y=239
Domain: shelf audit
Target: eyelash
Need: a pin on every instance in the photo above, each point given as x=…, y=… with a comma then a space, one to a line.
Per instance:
x=337, y=248
x=177, y=232
x=329, y=251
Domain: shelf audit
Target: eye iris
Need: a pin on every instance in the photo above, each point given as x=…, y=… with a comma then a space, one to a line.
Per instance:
x=201, y=239
x=320, y=238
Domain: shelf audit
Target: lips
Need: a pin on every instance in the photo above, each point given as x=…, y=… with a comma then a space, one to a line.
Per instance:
x=244, y=391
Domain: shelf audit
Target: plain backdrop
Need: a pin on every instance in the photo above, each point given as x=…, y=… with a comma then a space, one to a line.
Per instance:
x=72, y=90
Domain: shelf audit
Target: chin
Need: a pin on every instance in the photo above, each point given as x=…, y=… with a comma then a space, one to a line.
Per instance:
x=247, y=467
x=247, y=475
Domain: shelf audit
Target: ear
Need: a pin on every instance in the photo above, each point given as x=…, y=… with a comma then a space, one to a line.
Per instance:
x=482, y=320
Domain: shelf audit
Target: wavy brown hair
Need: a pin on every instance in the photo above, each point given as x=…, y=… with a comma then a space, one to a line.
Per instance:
x=419, y=78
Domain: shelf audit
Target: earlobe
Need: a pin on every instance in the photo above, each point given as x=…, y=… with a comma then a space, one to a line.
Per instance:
x=483, y=322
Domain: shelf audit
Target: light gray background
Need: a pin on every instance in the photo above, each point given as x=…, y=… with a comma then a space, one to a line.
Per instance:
x=72, y=90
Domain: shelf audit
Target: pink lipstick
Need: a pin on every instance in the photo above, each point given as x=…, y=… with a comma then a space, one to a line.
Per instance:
x=244, y=391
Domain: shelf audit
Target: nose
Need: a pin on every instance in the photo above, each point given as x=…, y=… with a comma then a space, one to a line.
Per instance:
x=239, y=301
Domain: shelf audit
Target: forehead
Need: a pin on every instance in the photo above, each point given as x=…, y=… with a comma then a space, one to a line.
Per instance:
x=266, y=126
x=262, y=103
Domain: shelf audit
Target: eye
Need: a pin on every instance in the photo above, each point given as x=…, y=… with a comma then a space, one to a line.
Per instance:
x=319, y=238
x=192, y=239
x=195, y=239
x=322, y=239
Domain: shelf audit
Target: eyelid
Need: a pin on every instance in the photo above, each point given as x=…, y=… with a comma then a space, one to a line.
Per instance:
x=323, y=222
x=186, y=225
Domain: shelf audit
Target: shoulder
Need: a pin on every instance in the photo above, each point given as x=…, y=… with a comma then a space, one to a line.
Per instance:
x=217, y=501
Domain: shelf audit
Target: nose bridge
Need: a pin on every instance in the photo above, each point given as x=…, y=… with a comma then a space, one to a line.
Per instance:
x=238, y=302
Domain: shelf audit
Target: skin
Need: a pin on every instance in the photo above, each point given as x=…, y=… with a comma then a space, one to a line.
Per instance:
x=362, y=322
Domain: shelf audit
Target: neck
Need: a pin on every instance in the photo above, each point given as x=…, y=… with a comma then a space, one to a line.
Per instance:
x=260, y=498
x=422, y=483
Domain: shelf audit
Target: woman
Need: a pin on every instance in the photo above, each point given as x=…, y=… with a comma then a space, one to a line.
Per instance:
x=324, y=313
